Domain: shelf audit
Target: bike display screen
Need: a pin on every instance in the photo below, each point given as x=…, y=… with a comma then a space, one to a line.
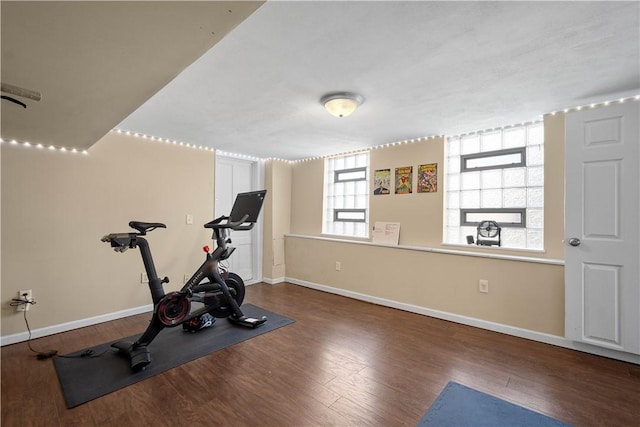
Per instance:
x=249, y=203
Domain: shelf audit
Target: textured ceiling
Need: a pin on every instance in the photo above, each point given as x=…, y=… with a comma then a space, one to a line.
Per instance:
x=424, y=68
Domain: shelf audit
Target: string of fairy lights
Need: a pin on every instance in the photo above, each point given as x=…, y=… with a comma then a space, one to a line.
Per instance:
x=40, y=146
x=47, y=147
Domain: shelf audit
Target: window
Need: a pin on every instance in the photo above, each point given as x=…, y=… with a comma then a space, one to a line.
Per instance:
x=496, y=175
x=355, y=174
x=346, y=196
x=493, y=160
x=350, y=215
x=506, y=217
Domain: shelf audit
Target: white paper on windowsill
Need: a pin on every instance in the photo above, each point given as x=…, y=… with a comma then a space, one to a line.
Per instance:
x=386, y=233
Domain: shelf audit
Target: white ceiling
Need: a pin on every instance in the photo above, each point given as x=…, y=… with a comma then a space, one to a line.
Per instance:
x=424, y=68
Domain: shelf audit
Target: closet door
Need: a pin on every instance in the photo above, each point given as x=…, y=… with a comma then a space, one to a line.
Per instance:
x=602, y=277
x=235, y=176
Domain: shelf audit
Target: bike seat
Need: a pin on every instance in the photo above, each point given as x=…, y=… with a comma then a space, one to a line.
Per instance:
x=143, y=227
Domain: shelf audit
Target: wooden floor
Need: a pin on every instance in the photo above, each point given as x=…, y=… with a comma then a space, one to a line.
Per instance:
x=343, y=362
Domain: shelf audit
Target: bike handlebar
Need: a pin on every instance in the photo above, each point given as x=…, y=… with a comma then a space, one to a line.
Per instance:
x=234, y=225
x=120, y=242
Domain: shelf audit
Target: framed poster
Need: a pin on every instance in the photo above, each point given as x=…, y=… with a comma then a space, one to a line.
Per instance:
x=404, y=180
x=382, y=181
x=428, y=178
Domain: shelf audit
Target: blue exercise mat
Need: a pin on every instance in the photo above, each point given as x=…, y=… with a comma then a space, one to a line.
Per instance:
x=461, y=406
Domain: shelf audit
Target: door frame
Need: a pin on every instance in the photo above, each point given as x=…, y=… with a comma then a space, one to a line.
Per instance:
x=257, y=183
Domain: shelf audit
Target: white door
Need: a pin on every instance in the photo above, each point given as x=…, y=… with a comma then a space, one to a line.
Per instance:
x=602, y=279
x=235, y=176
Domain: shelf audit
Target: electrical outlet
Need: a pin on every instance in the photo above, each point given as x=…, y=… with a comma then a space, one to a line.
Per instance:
x=189, y=219
x=338, y=266
x=28, y=294
x=483, y=286
x=186, y=278
x=144, y=278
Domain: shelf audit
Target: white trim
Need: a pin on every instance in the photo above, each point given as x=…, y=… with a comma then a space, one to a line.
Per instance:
x=64, y=327
x=478, y=323
x=494, y=248
x=69, y=326
x=551, y=261
x=257, y=183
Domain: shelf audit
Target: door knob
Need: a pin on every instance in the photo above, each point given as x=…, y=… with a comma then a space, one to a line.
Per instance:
x=574, y=241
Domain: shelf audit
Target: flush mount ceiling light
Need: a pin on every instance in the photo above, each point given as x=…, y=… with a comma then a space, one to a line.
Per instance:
x=341, y=104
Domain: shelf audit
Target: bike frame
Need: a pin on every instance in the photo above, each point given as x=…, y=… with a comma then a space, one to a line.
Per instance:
x=174, y=308
x=210, y=269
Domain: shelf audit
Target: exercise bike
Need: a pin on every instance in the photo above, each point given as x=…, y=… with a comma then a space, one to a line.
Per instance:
x=219, y=291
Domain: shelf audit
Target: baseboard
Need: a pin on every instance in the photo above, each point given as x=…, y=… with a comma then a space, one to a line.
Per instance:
x=470, y=321
x=64, y=327
x=478, y=323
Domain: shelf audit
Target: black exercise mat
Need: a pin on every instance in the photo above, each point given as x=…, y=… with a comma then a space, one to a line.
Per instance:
x=87, y=378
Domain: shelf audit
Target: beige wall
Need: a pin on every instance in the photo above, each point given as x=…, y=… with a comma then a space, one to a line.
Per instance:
x=307, y=183
x=419, y=214
x=56, y=206
x=3, y=300
x=522, y=294
x=554, y=186
x=277, y=217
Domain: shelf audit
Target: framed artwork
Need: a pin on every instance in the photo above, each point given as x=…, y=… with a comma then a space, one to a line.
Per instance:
x=382, y=182
x=404, y=180
x=428, y=178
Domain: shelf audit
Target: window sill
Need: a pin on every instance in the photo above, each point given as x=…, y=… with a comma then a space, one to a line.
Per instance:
x=494, y=248
x=337, y=237
x=460, y=252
